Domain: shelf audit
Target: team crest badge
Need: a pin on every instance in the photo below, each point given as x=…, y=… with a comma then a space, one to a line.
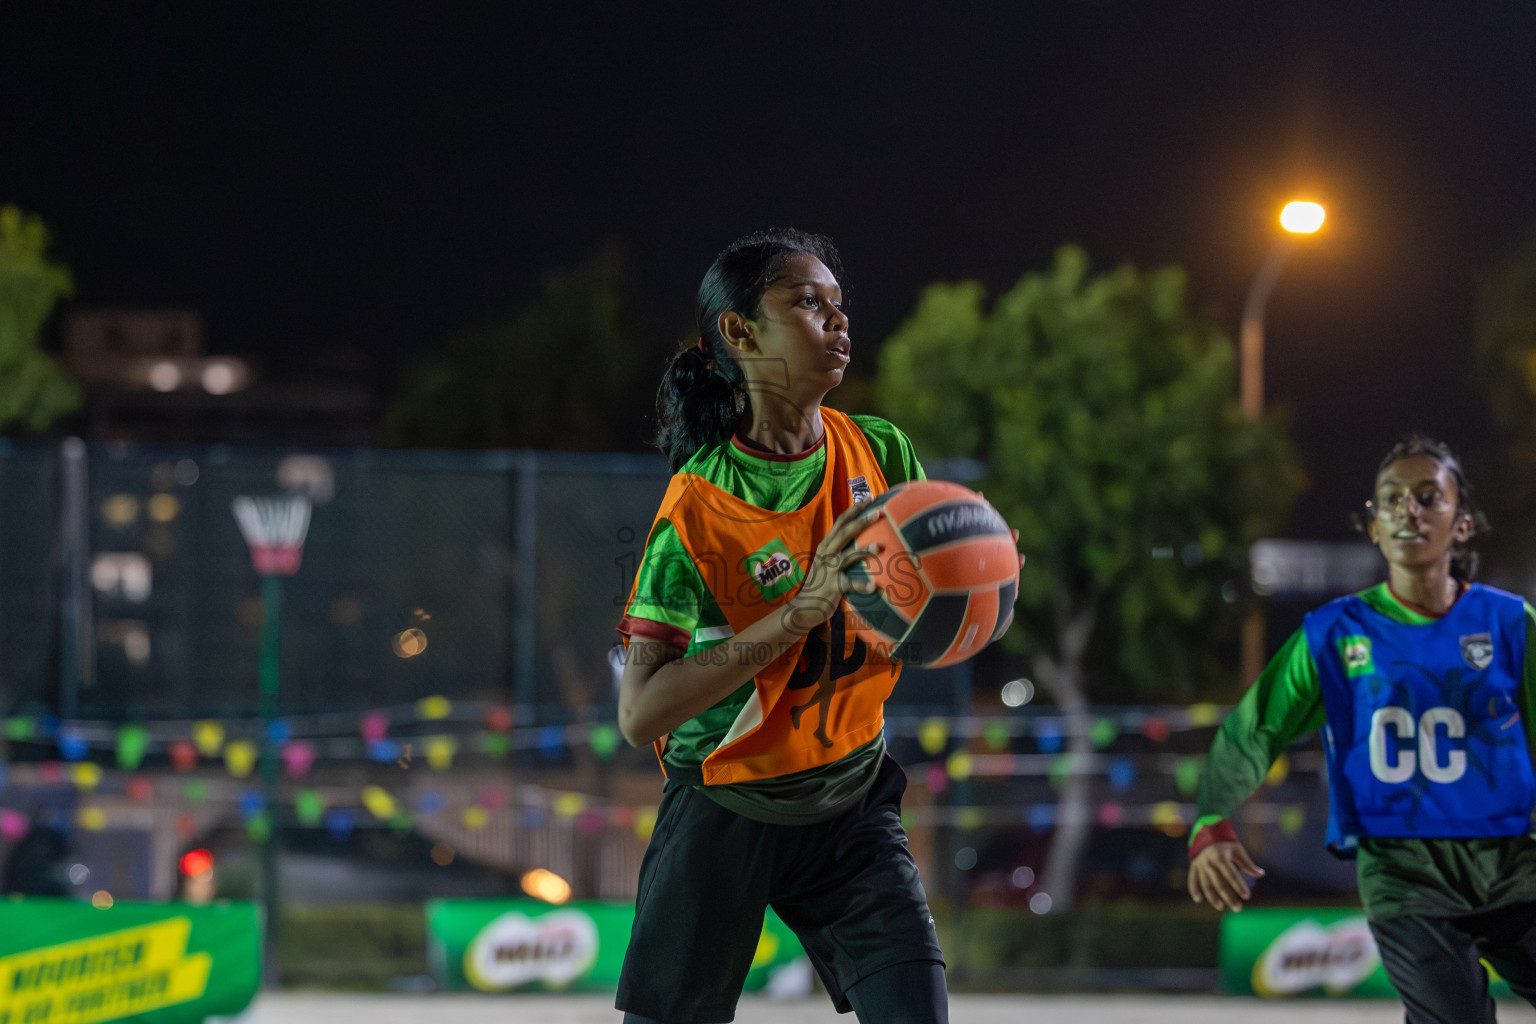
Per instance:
x=1477, y=650
x=860, y=488
x=1356, y=652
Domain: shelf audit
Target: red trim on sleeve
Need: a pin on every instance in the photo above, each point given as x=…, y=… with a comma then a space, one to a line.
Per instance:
x=650, y=629
x=1217, y=832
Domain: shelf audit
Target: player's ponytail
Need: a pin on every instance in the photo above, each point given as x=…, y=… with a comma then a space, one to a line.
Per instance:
x=703, y=391
x=700, y=399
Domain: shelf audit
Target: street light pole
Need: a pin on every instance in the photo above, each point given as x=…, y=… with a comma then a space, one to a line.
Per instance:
x=1297, y=219
x=1251, y=341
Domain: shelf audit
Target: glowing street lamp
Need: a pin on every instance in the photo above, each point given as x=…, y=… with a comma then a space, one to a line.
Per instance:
x=1302, y=218
x=1299, y=218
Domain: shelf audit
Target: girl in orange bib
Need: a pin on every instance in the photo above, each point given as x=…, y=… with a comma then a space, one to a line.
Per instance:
x=764, y=708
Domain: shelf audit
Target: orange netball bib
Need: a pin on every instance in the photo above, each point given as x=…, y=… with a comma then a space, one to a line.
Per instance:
x=824, y=695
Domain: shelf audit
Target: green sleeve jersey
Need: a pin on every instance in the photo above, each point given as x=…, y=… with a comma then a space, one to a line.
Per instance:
x=1284, y=704
x=1438, y=877
x=672, y=603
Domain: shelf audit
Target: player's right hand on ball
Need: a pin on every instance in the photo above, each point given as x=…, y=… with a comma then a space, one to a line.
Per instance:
x=827, y=580
x=1216, y=876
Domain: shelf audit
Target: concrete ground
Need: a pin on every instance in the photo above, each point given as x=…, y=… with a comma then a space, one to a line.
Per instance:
x=329, y=1008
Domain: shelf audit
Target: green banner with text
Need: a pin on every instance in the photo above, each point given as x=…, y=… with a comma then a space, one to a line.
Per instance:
x=66, y=962
x=1298, y=952
x=528, y=945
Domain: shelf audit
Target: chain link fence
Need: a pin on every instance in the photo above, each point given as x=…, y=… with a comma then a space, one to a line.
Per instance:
x=128, y=593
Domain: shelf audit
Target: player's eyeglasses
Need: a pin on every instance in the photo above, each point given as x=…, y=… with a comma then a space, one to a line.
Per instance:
x=1396, y=505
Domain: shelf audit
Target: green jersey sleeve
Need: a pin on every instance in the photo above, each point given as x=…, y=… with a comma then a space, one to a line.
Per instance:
x=892, y=449
x=1286, y=702
x=670, y=601
x=1528, y=682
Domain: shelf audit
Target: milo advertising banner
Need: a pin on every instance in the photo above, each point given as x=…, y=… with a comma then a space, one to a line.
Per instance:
x=528, y=945
x=66, y=962
x=1295, y=952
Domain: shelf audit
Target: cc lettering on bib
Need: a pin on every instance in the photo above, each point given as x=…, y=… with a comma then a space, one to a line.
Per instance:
x=1391, y=762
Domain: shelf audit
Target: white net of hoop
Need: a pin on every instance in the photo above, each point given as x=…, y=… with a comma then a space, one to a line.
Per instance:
x=274, y=527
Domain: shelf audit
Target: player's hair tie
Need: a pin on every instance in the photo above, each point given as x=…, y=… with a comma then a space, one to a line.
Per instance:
x=703, y=348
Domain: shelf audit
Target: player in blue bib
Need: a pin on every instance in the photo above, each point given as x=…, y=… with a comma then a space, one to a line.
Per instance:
x=1424, y=736
x=1424, y=688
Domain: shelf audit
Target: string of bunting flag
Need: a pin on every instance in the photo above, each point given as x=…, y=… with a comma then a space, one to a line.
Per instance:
x=341, y=809
x=438, y=730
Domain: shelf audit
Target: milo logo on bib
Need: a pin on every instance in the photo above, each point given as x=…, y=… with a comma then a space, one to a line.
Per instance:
x=773, y=569
x=1356, y=654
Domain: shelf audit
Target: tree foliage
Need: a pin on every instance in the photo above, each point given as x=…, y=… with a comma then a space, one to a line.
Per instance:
x=1505, y=335
x=571, y=371
x=1506, y=351
x=1105, y=414
x=34, y=389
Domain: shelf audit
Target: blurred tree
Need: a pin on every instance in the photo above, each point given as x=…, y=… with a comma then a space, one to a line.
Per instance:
x=1106, y=416
x=572, y=371
x=1505, y=323
x=34, y=389
x=1506, y=341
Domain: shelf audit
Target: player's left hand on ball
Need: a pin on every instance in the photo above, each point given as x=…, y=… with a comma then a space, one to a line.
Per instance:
x=1216, y=876
x=827, y=578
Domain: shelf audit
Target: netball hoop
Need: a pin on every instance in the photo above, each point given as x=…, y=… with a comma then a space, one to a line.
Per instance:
x=274, y=527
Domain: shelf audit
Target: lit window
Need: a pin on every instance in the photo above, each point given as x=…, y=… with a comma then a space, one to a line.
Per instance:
x=309, y=475
x=125, y=574
x=163, y=508
x=120, y=510
x=164, y=376
x=132, y=635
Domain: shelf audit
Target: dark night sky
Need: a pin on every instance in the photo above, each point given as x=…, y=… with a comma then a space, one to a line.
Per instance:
x=380, y=176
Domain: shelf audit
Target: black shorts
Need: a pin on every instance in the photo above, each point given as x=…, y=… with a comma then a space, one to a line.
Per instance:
x=847, y=887
x=1436, y=963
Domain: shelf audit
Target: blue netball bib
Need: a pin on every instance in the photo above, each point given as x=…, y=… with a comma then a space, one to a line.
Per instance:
x=1424, y=738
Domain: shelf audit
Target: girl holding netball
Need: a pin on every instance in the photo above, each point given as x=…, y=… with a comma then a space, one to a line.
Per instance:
x=763, y=706
x=1424, y=687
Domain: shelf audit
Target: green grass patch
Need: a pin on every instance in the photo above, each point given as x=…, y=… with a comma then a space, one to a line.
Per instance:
x=1110, y=936
x=351, y=946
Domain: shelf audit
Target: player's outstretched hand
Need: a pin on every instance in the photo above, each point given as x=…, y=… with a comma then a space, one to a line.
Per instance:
x=827, y=579
x=1015, y=533
x=1216, y=876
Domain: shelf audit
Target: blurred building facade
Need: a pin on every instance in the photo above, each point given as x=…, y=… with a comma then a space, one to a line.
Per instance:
x=149, y=378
